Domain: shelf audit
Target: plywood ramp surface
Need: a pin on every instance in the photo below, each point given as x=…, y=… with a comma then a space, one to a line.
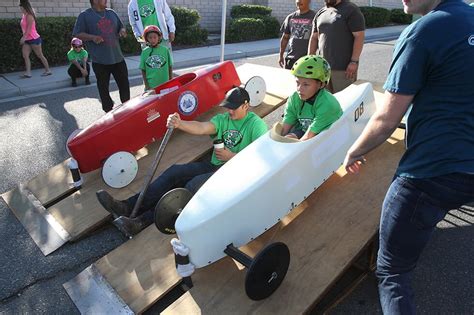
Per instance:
x=142, y=270
x=338, y=220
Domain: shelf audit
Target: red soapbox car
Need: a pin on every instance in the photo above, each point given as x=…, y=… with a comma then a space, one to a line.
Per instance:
x=108, y=141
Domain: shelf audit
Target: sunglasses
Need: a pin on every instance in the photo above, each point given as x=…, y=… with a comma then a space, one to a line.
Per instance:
x=77, y=46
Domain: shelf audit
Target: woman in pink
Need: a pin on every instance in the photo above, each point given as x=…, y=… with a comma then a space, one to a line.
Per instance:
x=31, y=40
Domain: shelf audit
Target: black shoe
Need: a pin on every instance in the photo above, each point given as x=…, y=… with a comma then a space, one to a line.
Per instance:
x=116, y=207
x=130, y=227
x=88, y=82
x=74, y=84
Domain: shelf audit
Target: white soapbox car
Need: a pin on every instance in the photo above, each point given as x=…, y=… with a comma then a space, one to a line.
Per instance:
x=256, y=189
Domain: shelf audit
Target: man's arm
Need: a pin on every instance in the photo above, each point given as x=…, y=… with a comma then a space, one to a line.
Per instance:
x=89, y=37
x=352, y=67
x=283, y=43
x=192, y=127
x=169, y=21
x=380, y=126
x=313, y=42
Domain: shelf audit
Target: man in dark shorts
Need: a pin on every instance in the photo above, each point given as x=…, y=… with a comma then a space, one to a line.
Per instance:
x=296, y=31
x=338, y=36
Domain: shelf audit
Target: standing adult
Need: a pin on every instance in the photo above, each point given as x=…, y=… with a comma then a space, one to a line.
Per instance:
x=296, y=30
x=338, y=35
x=101, y=29
x=31, y=40
x=142, y=13
x=431, y=69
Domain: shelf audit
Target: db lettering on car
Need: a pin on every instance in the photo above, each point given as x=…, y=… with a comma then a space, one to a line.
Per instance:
x=187, y=103
x=359, y=111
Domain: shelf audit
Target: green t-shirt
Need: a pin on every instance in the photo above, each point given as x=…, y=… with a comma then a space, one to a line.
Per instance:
x=78, y=56
x=317, y=117
x=147, y=11
x=156, y=63
x=237, y=134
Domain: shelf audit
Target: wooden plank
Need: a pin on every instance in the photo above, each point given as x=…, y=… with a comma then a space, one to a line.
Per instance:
x=339, y=218
x=142, y=270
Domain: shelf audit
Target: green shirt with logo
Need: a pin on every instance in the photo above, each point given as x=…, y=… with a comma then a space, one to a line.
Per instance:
x=147, y=13
x=156, y=63
x=78, y=56
x=317, y=117
x=237, y=134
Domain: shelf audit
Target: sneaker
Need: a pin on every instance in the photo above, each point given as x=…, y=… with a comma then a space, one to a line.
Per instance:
x=116, y=207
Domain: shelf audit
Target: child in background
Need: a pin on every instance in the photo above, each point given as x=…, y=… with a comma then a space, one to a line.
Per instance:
x=77, y=57
x=155, y=60
x=312, y=108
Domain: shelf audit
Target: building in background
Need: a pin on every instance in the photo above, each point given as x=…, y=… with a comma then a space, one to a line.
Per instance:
x=210, y=10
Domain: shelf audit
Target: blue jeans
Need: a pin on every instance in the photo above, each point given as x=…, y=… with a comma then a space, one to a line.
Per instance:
x=190, y=176
x=410, y=212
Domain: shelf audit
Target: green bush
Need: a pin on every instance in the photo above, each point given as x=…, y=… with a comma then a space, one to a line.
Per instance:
x=245, y=29
x=129, y=44
x=400, y=17
x=193, y=35
x=375, y=17
x=249, y=10
x=272, y=27
x=184, y=17
x=188, y=31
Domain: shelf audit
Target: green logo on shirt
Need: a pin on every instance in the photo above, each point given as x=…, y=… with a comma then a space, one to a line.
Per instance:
x=146, y=10
x=305, y=123
x=232, y=138
x=155, y=62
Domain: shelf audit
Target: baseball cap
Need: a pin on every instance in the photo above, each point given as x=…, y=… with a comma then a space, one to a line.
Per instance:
x=235, y=97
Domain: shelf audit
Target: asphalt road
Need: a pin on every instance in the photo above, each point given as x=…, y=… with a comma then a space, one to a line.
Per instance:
x=32, y=136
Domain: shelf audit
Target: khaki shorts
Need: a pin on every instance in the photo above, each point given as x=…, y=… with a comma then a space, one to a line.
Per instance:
x=338, y=81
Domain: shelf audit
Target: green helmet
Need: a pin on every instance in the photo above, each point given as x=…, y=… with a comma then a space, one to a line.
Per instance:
x=312, y=67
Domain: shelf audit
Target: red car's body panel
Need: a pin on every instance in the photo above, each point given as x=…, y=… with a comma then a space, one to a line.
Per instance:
x=141, y=120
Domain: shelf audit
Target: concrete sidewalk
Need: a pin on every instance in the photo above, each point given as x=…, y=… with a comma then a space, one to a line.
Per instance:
x=12, y=85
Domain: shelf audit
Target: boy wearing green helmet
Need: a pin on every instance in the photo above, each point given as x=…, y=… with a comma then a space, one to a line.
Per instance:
x=312, y=108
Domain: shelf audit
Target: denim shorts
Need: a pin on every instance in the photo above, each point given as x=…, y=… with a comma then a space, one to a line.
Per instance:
x=36, y=41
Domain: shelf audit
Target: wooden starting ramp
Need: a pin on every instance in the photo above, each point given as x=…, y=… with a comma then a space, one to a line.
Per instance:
x=325, y=234
x=54, y=212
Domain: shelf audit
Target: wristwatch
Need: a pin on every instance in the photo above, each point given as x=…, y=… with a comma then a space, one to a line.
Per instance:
x=355, y=61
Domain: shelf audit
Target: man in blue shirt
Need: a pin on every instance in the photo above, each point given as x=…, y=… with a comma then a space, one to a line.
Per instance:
x=432, y=69
x=101, y=28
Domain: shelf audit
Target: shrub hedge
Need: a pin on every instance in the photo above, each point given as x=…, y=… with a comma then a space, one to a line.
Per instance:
x=375, y=17
x=249, y=10
x=56, y=33
x=188, y=31
x=251, y=22
x=400, y=17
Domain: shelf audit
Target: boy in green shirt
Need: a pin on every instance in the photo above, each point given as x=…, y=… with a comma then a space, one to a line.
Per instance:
x=312, y=108
x=77, y=57
x=155, y=60
x=237, y=128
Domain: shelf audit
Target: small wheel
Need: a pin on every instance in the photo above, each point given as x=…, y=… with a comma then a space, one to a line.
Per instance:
x=71, y=136
x=257, y=89
x=267, y=271
x=120, y=169
x=169, y=207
